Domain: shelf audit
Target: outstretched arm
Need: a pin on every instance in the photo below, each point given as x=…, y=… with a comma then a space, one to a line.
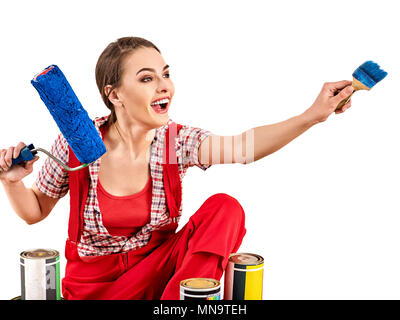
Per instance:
x=260, y=142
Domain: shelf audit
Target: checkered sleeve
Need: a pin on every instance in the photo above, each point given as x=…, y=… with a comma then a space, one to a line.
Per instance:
x=53, y=179
x=191, y=139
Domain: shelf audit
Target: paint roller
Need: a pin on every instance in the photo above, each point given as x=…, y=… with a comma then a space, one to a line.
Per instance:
x=71, y=118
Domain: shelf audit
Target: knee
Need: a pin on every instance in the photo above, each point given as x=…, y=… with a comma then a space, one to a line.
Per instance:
x=225, y=199
x=229, y=208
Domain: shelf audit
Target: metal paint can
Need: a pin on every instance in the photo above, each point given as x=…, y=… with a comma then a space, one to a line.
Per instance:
x=244, y=277
x=200, y=289
x=40, y=274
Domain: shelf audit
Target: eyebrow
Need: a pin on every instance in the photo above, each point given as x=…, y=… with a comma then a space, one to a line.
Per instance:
x=151, y=69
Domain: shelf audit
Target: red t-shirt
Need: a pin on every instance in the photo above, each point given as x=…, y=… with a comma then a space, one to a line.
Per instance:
x=124, y=215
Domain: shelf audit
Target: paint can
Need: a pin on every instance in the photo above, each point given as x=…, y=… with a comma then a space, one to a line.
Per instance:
x=19, y=298
x=40, y=274
x=200, y=289
x=244, y=277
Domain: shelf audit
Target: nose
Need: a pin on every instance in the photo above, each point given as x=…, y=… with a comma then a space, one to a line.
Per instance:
x=164, y=85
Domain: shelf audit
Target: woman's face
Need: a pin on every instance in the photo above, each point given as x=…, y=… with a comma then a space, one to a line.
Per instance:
x=146, y=90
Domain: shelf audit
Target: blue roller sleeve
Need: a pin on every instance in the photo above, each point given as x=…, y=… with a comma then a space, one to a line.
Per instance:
x=71, y=118
x=25, y=155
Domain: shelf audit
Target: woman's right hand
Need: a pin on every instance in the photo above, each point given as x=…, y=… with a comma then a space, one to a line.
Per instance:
x=332, y=93
x=17, y=172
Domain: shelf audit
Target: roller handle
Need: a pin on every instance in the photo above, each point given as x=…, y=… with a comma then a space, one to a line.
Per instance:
x=25, y=155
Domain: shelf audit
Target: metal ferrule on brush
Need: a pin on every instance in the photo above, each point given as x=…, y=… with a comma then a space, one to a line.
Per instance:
x=364, y=78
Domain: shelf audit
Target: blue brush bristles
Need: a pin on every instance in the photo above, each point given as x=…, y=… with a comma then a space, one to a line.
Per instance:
x=369, y=73
x=71, y=118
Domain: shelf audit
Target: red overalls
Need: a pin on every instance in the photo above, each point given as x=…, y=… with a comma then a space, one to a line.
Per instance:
x=199, y=250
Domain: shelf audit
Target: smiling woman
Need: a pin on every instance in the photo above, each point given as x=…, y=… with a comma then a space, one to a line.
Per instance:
x=109, y=66
x=133, y=98
x=118, y=72
x=125, y=207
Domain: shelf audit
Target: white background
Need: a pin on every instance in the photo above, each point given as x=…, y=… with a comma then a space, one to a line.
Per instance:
x=323, y=211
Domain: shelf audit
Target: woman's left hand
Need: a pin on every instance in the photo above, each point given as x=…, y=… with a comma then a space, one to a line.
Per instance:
x=331, y=95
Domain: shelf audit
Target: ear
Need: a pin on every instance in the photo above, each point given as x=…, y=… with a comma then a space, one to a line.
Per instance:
x=113, y=95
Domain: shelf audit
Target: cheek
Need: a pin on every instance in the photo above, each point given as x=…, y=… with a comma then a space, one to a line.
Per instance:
x=137, y=97
x=172, y=89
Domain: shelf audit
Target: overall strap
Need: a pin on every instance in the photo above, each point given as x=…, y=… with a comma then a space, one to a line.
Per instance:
x=78, y=189
x=172, y=182
x=79, y=184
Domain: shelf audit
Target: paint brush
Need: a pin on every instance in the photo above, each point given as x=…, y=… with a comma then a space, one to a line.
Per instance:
x=364, y=78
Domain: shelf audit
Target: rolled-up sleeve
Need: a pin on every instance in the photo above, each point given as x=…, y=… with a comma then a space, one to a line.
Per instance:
x=191, y=139
x=53, y=179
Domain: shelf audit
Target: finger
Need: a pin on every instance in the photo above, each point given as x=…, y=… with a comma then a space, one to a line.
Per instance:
x=347, y=106
x=345, y=93
x=18, y=148
x=338, y=85
x=36, y=158
x=29, y=164
x=339, y=111
x=3, y=165
x=8, y=156
x=343, y=108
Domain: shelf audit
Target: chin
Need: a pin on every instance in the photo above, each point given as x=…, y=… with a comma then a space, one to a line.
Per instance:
x=164, y=120
x=157, y=122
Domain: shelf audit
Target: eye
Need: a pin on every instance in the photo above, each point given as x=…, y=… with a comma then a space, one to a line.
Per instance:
x=166, y=75
x=146, y=79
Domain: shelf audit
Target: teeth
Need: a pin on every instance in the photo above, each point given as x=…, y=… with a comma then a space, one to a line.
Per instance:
x=160, y=102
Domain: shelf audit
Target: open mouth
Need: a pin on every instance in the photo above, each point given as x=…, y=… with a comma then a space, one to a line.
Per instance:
x=160, y=106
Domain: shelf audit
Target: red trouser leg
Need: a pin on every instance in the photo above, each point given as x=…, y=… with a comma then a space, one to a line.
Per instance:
x=215, y=231
x=200, y=249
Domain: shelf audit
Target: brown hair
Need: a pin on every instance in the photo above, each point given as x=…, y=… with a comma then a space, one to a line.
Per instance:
x=109, y=66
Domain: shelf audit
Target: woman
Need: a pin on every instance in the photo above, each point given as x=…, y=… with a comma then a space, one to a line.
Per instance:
x=125, y=208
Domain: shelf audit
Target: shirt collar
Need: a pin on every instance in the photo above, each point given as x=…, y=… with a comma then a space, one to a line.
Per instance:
x=99, y=121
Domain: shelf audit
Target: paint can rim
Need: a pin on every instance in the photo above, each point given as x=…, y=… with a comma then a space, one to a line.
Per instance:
x=20, y=298
x=250, y=259
x=39, y=254
x=186, y=284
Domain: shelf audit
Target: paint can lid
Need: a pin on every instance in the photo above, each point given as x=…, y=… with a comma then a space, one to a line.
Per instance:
x=200, y=283
x=39, y=254
x=248, y=259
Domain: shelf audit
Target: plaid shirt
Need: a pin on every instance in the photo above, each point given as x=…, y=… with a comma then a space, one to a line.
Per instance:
x=95, y=239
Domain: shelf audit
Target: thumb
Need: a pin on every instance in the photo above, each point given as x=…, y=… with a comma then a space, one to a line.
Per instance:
x=29, y=164
x=343, y=94
x=36, y=158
